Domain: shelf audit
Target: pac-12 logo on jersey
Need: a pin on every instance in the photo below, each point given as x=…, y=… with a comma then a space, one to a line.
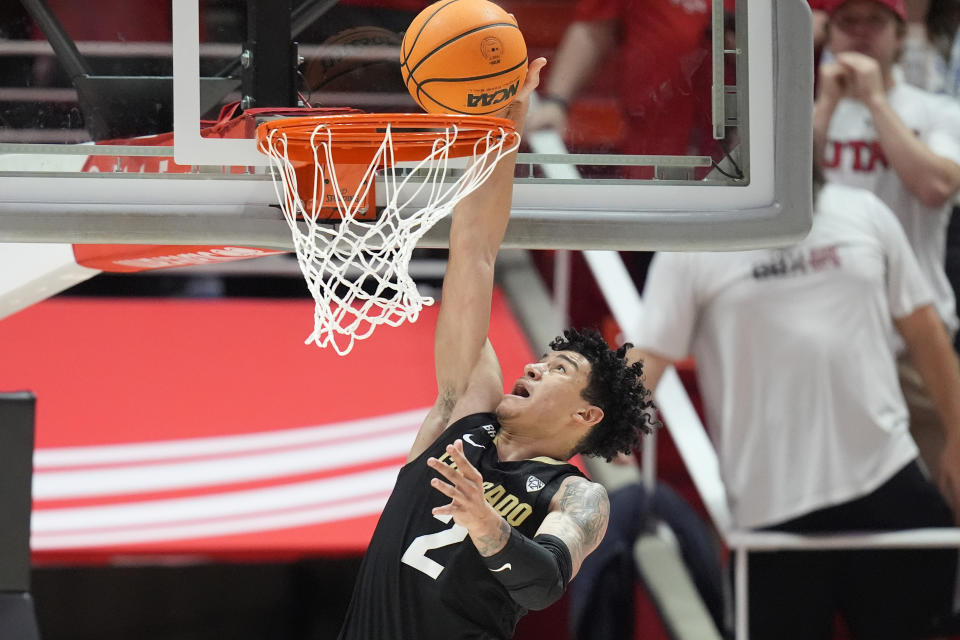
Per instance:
x=490, y=430
x=534, y=484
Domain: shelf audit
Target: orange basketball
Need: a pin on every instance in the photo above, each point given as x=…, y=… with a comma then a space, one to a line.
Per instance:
x=463, y=56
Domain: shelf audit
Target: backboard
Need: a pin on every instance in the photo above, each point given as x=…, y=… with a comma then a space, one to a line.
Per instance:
x=692, y=131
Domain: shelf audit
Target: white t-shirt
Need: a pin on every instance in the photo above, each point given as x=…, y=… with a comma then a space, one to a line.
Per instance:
x=921, y=64
x=798, y=379
x=854, y=157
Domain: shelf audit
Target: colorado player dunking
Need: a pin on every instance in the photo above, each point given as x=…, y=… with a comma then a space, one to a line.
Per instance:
x=487, y=520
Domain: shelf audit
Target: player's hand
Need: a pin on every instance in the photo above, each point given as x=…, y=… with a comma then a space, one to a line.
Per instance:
x=949, y=480
x=532, y=81
x=865, y=81
x=517, y=110
x=464, y=487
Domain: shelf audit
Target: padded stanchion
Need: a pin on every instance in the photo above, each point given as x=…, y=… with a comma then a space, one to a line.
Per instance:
x=17, y=617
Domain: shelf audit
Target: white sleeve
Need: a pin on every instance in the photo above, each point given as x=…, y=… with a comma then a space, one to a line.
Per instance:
x=669, y=307
x=907, y=290
x=943, y=135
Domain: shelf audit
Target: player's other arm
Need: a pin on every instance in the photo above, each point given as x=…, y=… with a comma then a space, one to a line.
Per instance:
x=534, y=571
x=467, y=371
x=579, y=513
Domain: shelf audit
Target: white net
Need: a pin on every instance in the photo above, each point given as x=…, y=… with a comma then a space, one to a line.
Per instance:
x=357, y=269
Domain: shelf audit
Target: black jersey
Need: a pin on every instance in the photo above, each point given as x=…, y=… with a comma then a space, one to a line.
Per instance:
x=422, y=578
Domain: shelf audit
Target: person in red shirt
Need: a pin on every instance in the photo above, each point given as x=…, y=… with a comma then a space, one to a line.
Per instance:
x=665, y=63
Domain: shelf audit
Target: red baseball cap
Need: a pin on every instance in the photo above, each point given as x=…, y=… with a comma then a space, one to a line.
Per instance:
x=897, y=6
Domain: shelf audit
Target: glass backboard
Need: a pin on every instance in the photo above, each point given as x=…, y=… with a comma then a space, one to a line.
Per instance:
x=690, y=128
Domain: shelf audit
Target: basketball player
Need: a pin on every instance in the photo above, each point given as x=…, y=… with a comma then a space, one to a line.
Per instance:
x=487, y=519
x=903, y=144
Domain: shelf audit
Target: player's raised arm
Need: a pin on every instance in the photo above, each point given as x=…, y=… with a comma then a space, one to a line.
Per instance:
x=460, y=343
x=476, y=231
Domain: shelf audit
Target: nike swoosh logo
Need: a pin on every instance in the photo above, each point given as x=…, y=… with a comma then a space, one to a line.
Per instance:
x=505, y=567
x=468, y=438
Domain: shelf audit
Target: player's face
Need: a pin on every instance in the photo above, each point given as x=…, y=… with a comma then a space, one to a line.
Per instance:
x=866, y=27
x=550, y=391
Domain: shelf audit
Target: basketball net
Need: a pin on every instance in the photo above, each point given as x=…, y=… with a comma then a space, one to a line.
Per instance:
x=357, y=267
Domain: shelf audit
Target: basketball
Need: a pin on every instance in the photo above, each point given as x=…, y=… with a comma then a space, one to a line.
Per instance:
x=463, y=56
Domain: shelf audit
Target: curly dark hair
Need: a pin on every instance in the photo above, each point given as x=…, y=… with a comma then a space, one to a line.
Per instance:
x=615, y=387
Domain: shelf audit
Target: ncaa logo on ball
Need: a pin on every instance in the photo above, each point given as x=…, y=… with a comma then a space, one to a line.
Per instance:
x=491, y=49
x=488, y=98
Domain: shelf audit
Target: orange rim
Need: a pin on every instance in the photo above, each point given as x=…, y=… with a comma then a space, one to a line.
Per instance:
x=356, y=137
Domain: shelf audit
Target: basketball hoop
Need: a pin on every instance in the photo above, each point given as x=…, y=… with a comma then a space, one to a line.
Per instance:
x=355, y=261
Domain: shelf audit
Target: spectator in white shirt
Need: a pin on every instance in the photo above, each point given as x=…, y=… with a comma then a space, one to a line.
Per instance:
x=803, y=405
x=903, y=144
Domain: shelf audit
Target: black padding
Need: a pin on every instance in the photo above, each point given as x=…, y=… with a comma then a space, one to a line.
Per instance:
x=535, y=574
x=16, y=469
x=559, y=549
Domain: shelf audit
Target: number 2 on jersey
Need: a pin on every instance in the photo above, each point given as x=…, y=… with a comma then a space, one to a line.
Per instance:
x=415, y=555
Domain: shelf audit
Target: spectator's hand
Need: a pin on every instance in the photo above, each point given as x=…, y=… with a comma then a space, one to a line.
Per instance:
x=548, y=115
x=949, y=480
x=834, y=82
x=865, y=81
x=468, y=506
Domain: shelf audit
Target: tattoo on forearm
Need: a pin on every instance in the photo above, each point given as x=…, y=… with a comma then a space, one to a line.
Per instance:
x=489, y=544
x=587, y=507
